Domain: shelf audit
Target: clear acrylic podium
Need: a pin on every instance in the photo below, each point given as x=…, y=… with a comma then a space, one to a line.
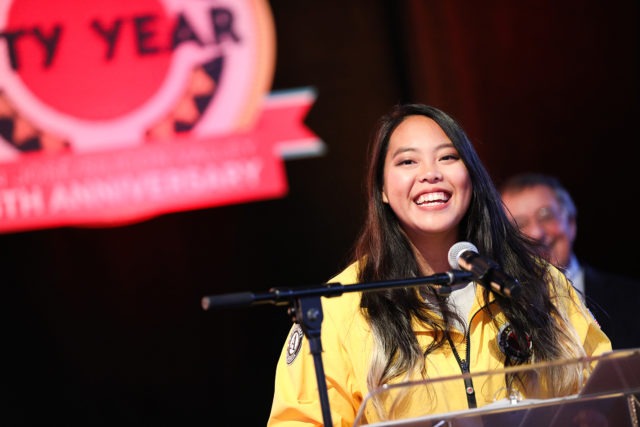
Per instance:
x=608, y=397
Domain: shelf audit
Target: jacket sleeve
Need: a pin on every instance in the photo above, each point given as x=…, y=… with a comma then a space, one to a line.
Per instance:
x=593, y=339
x=296, y=400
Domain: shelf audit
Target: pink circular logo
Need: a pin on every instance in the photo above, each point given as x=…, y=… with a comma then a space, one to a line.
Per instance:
x=90, y=75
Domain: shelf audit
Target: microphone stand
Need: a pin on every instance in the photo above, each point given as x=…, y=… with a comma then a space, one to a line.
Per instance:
x=305, y=308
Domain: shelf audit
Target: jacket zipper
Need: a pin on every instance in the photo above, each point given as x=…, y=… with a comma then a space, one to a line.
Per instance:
x=465, y=364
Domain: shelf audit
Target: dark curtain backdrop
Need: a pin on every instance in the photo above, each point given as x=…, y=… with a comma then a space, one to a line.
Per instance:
x=104, y=326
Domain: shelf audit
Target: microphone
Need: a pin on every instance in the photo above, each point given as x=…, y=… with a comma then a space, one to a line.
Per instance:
x=464, y=255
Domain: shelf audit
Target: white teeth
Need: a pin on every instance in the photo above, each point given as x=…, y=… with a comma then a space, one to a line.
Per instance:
x=432, y=197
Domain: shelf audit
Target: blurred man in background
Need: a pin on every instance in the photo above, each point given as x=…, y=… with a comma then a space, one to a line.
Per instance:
x=543, y=209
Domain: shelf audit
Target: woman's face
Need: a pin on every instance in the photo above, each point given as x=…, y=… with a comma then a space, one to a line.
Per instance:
x=426, y=183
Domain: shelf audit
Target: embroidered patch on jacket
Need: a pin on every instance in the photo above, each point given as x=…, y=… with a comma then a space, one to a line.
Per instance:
x=509, y=345
x=295, y=343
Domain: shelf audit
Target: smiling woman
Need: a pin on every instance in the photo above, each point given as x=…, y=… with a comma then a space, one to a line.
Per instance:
x=426, y=182
x=103, y=326
x=426, y=190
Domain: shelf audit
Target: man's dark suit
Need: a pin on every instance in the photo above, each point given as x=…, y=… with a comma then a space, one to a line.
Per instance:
x=614, y=300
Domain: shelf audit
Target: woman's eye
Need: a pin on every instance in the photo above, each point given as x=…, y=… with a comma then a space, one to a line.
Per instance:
x=450, y=157
x=406, y=162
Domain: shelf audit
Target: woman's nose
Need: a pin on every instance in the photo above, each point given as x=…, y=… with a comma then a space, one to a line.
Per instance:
x=431, y=175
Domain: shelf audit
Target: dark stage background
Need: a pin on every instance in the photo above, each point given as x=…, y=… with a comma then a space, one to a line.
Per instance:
x=104, y=326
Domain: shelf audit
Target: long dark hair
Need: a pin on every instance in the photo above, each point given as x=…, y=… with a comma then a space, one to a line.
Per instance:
x=384, y=253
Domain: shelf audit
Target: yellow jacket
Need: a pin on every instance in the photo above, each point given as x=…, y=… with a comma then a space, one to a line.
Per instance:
x=347, y=347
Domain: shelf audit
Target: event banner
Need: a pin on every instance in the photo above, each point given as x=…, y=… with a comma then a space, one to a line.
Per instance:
x=113, y=112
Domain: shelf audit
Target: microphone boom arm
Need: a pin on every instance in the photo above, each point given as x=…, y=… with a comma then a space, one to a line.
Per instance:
x=285, y=296
x=307, y=311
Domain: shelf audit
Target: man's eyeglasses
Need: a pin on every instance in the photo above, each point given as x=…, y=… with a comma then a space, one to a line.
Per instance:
x=544, y=217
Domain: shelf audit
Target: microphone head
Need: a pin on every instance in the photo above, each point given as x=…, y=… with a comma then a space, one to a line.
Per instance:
x=456, y=250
